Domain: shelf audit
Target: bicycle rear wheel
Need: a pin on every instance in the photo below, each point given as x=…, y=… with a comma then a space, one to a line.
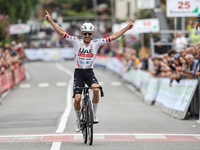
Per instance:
x=89, y=123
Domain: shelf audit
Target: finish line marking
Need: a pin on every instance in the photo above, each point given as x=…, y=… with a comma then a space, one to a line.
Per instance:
x=109, y=134
x=57, y=138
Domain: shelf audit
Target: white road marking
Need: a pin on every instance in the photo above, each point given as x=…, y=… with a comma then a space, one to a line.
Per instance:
x=116, y=83
x=64, y=118
x=66, y=113
x=28, y=77
x=5, y=94
x=61, y=84
x=43, y=85
x=68, y=72
x=198, y=121
x=24, y=85
x=150, y=137
x=198, y=137
x=95, y=137
x=26, y=138
x=113, y=134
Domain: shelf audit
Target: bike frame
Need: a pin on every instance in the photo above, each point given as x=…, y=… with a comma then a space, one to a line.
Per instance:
x=87, y=114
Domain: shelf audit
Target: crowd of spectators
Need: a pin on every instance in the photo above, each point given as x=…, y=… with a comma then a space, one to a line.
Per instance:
x=11, y=56
x=178, y=65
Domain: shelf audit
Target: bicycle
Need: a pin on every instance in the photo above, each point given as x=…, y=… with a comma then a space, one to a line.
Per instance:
x=86, y=122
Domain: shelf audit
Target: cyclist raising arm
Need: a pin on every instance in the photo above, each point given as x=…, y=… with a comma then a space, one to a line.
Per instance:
x=62, y=32
x=85, y=51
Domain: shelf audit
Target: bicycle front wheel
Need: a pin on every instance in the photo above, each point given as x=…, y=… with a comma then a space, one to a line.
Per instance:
x=89, y=123
x=84, y=124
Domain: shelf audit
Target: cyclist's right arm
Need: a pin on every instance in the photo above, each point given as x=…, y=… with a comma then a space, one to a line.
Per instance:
x=54, y=25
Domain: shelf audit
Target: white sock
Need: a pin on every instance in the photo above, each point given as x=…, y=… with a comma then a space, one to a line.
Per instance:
x=95, y=105
x=78, y=114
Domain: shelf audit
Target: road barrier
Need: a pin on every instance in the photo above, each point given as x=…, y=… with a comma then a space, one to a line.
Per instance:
x=175, y=100
x=10, y=78
x=49, y=54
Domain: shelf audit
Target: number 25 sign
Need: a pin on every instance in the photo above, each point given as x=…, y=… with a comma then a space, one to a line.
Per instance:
x=183, y=8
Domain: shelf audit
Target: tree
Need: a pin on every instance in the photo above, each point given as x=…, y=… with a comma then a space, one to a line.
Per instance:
x=18, y=9
x=81, y=5
x=4, y=27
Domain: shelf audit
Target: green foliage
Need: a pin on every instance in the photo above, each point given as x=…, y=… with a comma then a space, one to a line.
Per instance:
x=81, y=5
x=75, y=13
x=4, y=27
x=18, y=9
x=143, y=14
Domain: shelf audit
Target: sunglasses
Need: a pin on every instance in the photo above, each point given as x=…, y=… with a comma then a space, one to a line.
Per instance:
x=86, y=33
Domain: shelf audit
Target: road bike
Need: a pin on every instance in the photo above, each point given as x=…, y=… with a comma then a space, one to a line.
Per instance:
x=86, y=122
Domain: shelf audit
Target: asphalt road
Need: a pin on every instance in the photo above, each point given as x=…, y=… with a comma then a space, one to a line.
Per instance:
x=38, y=115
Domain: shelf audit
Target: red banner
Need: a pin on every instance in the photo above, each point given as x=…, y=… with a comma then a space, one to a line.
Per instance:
x=6, y=80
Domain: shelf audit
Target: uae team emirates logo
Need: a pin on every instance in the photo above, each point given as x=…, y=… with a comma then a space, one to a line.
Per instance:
x=85, y=53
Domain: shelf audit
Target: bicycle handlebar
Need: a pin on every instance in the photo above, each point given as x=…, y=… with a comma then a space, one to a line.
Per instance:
x=100, y=88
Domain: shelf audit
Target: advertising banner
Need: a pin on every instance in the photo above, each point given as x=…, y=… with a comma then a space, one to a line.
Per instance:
x=34, y=54
x=183, y=8
x=49, y=54
x=101, y=60
x=178, y=96
x=17, y=73
x=115, y=65
x=67, y=53
x=152, y=90
x=9, y=78
x=1, y=85
x=19, y=29
x=140, y=26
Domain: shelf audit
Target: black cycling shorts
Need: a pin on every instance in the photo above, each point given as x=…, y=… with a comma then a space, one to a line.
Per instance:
x=82, y=76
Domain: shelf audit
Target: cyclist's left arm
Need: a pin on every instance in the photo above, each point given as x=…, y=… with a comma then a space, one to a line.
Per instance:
x=116, y=35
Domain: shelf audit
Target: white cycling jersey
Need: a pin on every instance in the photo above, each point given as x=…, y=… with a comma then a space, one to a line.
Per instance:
x=85, y=55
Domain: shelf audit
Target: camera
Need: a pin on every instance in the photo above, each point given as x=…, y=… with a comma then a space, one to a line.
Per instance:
x=170, y=62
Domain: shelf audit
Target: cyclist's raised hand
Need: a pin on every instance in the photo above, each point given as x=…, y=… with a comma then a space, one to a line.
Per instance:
x=130, y=25
x=48, y=17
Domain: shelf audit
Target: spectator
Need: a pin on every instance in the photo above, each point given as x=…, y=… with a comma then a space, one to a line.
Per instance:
x=194, y=35
x=193, y=50
x=157, y=66
x=183, y=54
x=180, y=42
x=198, y=52
x=188, y=51
x=196, y=28
x=54, y=16
x=60, y=20
x=193, y=64
x=171, y=53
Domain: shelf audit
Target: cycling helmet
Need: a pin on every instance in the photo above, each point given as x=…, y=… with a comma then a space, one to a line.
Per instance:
x=87, y=27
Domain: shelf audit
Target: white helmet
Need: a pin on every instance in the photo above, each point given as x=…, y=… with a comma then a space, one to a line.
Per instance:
x=87, y=27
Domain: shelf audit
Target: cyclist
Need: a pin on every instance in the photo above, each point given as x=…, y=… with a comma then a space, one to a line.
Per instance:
x=85, y=53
